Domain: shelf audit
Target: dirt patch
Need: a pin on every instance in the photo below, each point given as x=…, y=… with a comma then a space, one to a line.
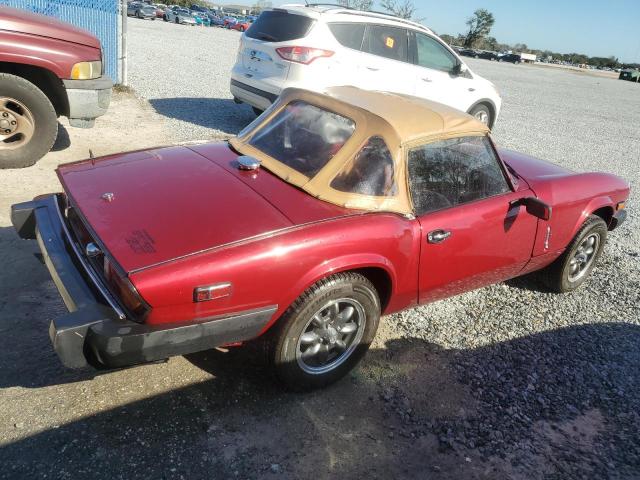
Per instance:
x=129, y=124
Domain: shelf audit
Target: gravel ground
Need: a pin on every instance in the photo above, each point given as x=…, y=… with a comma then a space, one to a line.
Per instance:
x=509, y=381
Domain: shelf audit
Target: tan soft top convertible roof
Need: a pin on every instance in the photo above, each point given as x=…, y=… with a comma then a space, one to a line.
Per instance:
x=402, y=121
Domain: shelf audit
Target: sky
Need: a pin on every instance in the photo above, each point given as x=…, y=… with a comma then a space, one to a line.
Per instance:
x=594, y=27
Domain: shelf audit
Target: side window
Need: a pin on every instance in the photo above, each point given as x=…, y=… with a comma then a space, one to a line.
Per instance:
x=348, y=34
x=452, y=172
x=388, y=42
x=431, y=54
x=370, y=173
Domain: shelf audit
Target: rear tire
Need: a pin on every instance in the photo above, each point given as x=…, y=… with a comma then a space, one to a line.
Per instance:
x=26, y=105
x=572, y=268
x=325, y=333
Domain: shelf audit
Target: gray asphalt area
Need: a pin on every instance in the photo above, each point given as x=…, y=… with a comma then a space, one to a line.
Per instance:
x=509, y=381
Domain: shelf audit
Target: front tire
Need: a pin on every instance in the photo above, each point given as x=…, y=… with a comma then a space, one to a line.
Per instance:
x=572, y=268
x=28, y=122
x=326, y=332
x=482, y=113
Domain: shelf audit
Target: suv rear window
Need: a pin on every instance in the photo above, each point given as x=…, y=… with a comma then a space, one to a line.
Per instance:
x=348, y=34
x=279, y=26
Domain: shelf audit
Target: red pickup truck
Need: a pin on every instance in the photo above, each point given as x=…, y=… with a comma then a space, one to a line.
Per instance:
x=48, y=69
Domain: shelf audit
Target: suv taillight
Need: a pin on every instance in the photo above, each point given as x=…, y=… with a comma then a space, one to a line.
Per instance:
x=304, y=55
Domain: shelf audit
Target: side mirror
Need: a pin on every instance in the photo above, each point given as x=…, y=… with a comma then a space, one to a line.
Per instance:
x=536, y=207
x=460, y=69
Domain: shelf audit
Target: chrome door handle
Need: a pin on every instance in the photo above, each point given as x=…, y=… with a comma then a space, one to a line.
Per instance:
x=438, y=236
x=373, y=69
x=426, y=79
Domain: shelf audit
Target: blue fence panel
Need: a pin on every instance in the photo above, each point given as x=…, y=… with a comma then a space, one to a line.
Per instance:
x=100, y=17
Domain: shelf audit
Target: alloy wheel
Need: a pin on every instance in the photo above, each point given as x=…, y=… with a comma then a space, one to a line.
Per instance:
x=330, y=336
x=583, y=257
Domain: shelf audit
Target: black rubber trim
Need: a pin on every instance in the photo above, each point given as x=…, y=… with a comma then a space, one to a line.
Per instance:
x=102, y=83
x=618, y=219
x=269, y=96
x=92, y=331
x=122, y=343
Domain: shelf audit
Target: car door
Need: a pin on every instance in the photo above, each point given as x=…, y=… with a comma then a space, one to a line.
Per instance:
x=345, y=67
x=472, y=233
x=384, y=61
x=433, y=74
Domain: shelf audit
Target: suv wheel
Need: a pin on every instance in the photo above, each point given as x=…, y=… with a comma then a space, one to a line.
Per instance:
x=326, y=332
x=482, y=113
x=28, y=122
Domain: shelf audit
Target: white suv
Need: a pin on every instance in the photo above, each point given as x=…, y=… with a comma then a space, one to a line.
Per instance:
x=315, y=47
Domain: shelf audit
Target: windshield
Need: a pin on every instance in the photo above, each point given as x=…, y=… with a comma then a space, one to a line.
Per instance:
x=304, y=137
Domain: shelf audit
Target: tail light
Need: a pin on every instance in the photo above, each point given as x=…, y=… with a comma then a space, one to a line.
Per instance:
x=304, y=55
x=125, y=291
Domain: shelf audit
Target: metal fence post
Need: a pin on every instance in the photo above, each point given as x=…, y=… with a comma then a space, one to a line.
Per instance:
x=123, y=43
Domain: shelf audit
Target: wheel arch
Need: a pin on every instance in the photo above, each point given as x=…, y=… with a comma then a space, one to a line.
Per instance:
x=43, y=78
x=601, y=206
x=377, y=269
x=489, y=103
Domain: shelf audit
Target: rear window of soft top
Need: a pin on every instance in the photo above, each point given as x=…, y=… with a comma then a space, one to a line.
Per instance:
x=279, y=26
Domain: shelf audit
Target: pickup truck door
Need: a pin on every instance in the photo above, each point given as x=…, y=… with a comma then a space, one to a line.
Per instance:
x=473, y=233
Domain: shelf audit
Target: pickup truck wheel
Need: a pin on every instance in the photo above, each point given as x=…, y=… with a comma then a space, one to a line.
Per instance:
x=28, y=122
x=326, y=332
x=573, y=267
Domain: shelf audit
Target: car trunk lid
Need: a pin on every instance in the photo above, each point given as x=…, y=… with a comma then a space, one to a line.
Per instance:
x=149, y=207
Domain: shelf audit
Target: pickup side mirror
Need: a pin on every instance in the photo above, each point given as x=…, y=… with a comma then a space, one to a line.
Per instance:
x=536, y=207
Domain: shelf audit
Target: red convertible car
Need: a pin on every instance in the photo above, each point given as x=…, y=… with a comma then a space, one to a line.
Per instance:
x=324, y=213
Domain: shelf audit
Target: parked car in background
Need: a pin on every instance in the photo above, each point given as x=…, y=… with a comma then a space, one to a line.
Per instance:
x=509, y=57
x=229, y=21
x=349, y=212
x=468, y=52
x=217, y=21
x=48, y=69
x=630, y=75
x=179, y=15
x=315, y=47
x=141, y=10
x=242, y=24
x=160, y=8
x=201, y=19
x=487, y=55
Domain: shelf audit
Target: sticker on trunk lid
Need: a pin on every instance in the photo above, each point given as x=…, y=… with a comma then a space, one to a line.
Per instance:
x=141, y=242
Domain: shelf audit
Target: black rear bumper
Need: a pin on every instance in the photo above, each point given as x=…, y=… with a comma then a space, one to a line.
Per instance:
x=96, y=331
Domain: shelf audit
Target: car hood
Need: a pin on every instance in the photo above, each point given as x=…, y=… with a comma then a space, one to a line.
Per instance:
x=532, y=169
x=15, y=20
x=171, y=202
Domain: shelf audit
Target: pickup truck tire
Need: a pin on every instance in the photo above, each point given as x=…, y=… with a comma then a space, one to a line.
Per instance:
x=572, y=268
x=325, y=333
x=25, y=104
